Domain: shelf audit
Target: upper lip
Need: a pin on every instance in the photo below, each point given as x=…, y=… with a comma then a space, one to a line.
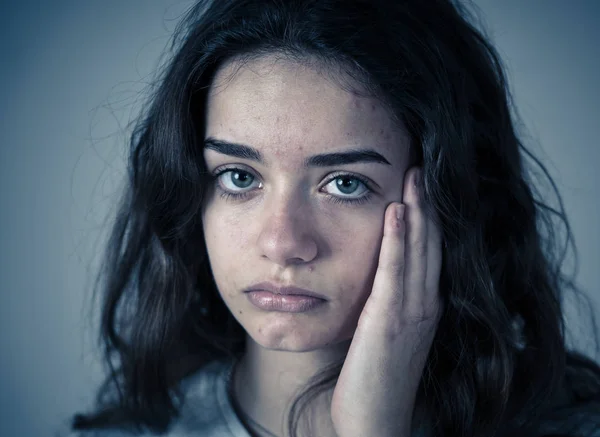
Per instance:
x=282, y=289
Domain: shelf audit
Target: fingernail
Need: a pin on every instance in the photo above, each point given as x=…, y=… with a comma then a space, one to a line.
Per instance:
x=399, y=212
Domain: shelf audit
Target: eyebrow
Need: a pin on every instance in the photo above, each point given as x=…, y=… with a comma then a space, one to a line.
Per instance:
x=352, y=156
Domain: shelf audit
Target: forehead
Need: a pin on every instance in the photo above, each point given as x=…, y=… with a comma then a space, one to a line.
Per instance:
x=290, y=110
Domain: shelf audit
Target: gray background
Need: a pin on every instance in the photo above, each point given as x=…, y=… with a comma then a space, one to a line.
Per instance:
x=72, y=72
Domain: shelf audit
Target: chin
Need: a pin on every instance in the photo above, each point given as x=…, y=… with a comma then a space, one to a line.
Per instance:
x=298, y=339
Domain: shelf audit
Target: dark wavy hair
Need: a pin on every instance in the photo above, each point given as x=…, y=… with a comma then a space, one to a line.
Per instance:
x=499, y=364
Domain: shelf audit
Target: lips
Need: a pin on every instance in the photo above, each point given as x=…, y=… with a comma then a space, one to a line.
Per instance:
x=284, y=290
x=268, y=296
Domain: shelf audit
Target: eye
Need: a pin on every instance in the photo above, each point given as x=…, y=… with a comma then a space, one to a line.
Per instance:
x=236, y=180
x=347, y=186
x=237, y=184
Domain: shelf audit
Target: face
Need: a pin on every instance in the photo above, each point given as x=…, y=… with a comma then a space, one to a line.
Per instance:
x=295, y=207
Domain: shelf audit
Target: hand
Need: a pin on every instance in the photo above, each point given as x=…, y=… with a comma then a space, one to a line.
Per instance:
x=376, y=390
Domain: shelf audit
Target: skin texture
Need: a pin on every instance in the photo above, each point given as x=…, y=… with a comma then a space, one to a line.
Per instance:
x=288, y=230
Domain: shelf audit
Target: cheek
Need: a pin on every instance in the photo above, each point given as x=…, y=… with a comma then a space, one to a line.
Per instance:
x=349, y=241
x=356, y=267
x=356, y=249
x=361, y=256
x=222, y=227
x=357, y=235
x=227, y=246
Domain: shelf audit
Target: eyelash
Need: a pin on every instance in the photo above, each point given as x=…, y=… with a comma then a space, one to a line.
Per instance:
x=228, y=195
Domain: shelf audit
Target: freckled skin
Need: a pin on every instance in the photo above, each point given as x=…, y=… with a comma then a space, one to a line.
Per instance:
x=287, y=230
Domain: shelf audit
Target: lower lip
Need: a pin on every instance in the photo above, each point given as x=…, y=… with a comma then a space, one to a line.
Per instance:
x=288, y=303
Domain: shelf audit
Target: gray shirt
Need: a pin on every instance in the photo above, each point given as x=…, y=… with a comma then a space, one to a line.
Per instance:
x=206, y=411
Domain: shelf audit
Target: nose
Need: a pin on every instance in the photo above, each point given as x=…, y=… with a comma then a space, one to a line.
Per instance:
x=287, y=235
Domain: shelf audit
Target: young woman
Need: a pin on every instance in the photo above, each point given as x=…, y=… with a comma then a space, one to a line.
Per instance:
x=330, y=230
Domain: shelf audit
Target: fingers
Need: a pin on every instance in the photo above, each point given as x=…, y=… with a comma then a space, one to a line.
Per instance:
x=423, y=252
x=407, y=279
x=417, y=247
x=387, y=290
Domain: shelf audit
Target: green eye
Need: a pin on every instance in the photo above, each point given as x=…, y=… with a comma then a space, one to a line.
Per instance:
x=347, y=185
x=241, y=179
x=234, y=179
x=237, y=184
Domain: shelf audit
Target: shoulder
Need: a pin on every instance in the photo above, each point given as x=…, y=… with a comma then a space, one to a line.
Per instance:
x=65, y=431
x=577, y=413
x=576, y=421
x=576, y=417
x=205, y=408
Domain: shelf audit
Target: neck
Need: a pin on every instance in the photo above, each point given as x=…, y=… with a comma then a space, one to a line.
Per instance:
x=266, y=383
